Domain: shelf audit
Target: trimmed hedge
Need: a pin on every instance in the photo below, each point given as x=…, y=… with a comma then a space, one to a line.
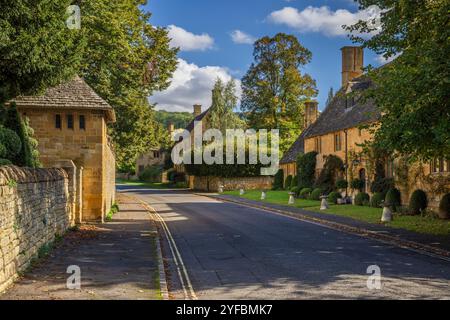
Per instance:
x=294, y=182
x=315, y=194
x=295, y=189
x=5, y=162
x=334, y=196
x=341, y=184
x=287, y=182
x=361, y=199
x=418, y=202
x=357, y=184
x=444, y=207
x=376, y=200
x=305, y=193
x=306, y=167
x=151, y=173
x=393, y=198
x=278, y=180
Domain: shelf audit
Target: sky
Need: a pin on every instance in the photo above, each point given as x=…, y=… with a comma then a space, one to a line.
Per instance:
x=216, y=37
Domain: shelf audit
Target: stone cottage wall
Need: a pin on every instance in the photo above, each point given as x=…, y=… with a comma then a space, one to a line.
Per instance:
x=235, y=183
x=110, y=177
x=34, y=207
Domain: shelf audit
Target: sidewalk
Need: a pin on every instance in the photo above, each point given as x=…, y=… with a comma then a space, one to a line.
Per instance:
x=429, y=243
x=118, y=260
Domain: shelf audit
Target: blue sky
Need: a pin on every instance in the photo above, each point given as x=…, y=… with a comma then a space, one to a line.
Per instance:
x=204, y=30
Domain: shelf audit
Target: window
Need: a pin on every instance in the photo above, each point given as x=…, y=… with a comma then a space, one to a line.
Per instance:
x=440, y=165
x=82, y=122
x=318, y=145
x=390, y=168
x=58, y=121
x=70, y=121
x=337, y=142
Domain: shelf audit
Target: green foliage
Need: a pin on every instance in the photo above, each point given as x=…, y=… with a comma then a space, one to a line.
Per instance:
x=376, y=200
x=444, y=206
x=341, y=184
x=288, y=182
x=306, y=167
x=178, y=119
x=334, y=196
x=5, y=162
x=11, y=144
x=362, y=199
x=37, y=49
x=411, y=92
x=332, y=167
x=278, y=180
x=178, y=177
x=274, y=89
x=393, y=198
x=418, y=202
x=294, y=182
x=151, y=173
x=295, y=189
x=315, y=194
x=114, y=209
x=357, y=184
x=305, y=193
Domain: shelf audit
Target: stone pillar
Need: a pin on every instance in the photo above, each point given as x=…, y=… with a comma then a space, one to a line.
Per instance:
x=71, y=170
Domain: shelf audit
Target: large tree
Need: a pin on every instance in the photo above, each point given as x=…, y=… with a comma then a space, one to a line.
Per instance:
x=126, y=59
x=412, y=92
x=274, y=88
x=37, y=49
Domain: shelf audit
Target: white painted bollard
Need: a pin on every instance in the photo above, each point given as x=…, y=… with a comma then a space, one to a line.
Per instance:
x=263, y=195
x=291, y=198
x=387, y=213
x=220, y=190
x=324, y=203
x=241, y=192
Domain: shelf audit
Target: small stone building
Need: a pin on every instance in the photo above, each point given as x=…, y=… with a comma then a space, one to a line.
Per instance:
x=70, y=122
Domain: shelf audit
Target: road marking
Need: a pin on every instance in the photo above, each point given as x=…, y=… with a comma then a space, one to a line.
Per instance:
x=188, y=290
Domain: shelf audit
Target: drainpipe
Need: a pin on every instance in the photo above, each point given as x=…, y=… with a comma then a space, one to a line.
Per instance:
x=346, y=162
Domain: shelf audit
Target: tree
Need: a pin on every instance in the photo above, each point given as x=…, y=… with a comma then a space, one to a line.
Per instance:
x=411, y=92
x=274, y=89
x=224, y=100
x=330, y=96
x=37, y=49
x=126, y=59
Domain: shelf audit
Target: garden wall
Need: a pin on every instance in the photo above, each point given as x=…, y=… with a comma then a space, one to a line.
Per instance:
x=35, y=206
x=248, y=183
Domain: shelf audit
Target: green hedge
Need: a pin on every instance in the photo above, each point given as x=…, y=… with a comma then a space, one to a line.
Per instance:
x=306, y=168
x=393, y=198
x=287, y=182
x=315, y=194
x=418, y=202
x=362, y=199
x=305, y=193
x=278, y=180
x=376, y=200
x=151, y=174
x=334, y=196
x=444, y=207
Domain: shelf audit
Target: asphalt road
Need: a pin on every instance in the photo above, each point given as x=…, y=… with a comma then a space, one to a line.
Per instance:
x=236, y=252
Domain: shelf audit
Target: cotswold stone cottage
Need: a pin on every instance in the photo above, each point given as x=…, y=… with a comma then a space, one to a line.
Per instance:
x=70, y=123
x=337, y=131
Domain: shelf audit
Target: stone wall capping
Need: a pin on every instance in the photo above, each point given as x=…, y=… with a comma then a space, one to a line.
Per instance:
x=30, y=175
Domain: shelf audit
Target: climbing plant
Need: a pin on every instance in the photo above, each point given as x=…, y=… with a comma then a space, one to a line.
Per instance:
x=332, y=168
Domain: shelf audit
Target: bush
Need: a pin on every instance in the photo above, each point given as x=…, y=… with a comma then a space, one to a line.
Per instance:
x=287, y=182
x=151, y=174
x=305, y=192
x=418, y=202
x=181, y=185
x=178, y=177
x=444, y=207
x=278, y=180
x=376, y=200
x=357, y=184
x=5, y=162
x=382, y=185
x=393, y=198
x=315, y=194
x=306, y=168
x=334, y=196
x=294, y=182
x=295, y=189
x=341, y=184
x=362, y=199
x=332, y=166
x=11, y=144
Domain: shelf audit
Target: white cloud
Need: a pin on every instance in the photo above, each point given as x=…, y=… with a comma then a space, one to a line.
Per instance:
x=241, y=37
x=187, y=41
x=321, y=19
x=190, y=85
x=382, y=60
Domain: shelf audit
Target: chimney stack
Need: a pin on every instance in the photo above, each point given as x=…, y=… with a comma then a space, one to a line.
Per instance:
x=170, y=128
x=311, y=113
x=197, y=109
x=352, y=63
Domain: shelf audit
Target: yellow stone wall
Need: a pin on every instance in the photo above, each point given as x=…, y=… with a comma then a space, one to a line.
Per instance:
x=86, y=148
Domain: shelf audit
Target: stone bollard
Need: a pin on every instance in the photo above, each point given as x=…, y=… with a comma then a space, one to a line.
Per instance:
x=220, y=189
x=241, y=192
x=291, y=198
x=387, y=213
x=324, y=203
x=263, y=195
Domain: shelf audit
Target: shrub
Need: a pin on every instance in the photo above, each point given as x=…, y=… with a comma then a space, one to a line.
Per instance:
x=181, y=185
x=278, y=180
x=315, y=194
x=5, y=162
x=151, y=174
x=376, y=200
x=393, y=198
x=418, y=202
x=444, y=207
x=11, y=143
x=357, y=184
x=306, y=168
x=366, y=203
x=295, y=189
x=305, y=192
x=362, y=199
x=294, y=182
x=334, y=196
x=179, y=177
x=287, y=182
x=341, y=184
x=382, y=185
x=332, y=166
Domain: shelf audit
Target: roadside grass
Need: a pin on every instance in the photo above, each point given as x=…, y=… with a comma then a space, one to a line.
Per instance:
x=114, y=209
x=152, y=185
x=421, y=224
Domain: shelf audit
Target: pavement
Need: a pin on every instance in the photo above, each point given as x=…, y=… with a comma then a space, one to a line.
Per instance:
x=117, y=260
x=231, y=251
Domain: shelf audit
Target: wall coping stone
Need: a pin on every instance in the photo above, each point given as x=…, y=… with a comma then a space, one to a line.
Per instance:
x=30, y=175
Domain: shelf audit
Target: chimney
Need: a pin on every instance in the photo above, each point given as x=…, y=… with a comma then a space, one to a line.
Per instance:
x=170, y=128
x=352, y=63
x=197, y=109
x=311, y=113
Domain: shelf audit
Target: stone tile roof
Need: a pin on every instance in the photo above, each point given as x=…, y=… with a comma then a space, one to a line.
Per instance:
x=190, y=126
x=73, y=94
x=297, y=147
x=342, y=114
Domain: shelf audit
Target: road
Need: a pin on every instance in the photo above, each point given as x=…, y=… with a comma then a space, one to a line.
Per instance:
x=236, y=252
